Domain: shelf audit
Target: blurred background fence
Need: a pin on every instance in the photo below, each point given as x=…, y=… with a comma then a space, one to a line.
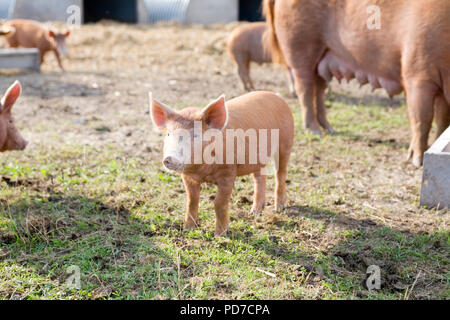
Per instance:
x=167, y=10
x=135, y=11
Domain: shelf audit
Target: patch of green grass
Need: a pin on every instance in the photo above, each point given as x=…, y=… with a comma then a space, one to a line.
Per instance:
x=118, y=219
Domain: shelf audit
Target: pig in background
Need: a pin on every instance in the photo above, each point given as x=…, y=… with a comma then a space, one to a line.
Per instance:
x=256, y=110
x=31, y=34
x=10, y=138
x=245, y=45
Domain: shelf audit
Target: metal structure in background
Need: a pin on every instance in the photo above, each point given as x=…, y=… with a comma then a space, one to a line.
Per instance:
x=7, y=9
x=20, y=58
x=250, y=10
x=167, y=10
x=136, y=11
x=119, y=10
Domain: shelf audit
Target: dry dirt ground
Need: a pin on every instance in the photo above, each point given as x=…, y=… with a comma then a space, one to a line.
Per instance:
x=353, y=198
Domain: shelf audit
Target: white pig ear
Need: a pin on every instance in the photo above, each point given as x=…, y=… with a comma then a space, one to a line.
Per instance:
x=11, y=96
x=159, y=112
x=216, y=114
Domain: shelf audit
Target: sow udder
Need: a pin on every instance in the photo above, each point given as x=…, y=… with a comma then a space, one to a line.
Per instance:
x=332, y=66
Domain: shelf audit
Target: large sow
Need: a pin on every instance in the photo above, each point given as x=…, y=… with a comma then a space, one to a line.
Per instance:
x=409, y=50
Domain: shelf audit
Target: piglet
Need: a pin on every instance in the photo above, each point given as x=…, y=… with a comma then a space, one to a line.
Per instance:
x=225, y=140
x=245, y=45
x=10, y=138
x=31, y=34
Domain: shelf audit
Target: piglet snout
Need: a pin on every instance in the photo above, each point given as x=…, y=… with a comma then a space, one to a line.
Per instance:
x=172, y=164
x=22, y=145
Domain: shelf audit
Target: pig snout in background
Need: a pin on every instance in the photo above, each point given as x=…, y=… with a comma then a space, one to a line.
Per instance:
x=60, y=41
x=10, y=138
x=253, y=112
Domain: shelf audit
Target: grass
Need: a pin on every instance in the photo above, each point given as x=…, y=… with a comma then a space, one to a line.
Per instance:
x=118, y=218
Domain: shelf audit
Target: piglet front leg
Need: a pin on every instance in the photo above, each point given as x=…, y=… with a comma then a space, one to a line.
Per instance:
x=58, y=57
x=193, y=197
x=224, y=190
x=259, y=193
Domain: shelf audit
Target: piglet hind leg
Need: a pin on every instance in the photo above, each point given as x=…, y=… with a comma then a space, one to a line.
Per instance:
x=259, y=194
x=58, y=57
x=224, y=191
x=42, y=56
x=244, y=74
x=420, y=100
x=193, y=198
x=281, y=164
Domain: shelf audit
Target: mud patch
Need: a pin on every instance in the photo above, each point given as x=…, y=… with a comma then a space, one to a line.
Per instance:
x=42, y=225
x=7, y=237
x=102, y=292
x=33, y=184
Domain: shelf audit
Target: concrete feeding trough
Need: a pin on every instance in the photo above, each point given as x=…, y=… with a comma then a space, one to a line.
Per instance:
x=23, y=59
x=436, y=174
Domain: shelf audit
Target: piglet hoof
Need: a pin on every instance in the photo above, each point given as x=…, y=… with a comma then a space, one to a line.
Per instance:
x=417, y=162
x=410, y=154
x=191, y=225
x=257, y=209
x=280, y=208
x=315, y=132
x=331, y=131
x=221, y=233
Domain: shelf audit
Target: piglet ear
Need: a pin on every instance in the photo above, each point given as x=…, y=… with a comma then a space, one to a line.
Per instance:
x=10, y=97
x=215, y=114
x=67, y=33
x=51, y=33
x=159, y=113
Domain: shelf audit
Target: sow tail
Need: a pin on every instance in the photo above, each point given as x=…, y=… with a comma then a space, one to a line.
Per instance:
x=270, y=39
